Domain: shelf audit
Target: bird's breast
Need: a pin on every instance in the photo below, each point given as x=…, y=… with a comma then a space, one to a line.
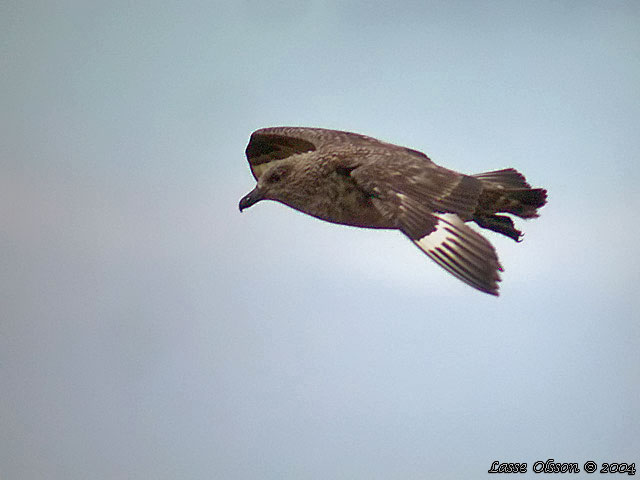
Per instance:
x=340, y=200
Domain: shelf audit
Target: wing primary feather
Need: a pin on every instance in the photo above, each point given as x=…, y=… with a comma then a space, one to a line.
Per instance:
x=471, y=255
x=451, y=252
x=462, y=252
x=450, y=258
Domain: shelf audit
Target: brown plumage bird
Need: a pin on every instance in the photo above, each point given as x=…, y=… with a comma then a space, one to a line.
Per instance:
x=351, y=179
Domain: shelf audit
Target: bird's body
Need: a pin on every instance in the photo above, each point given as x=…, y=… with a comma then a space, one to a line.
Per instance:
x=352, y=179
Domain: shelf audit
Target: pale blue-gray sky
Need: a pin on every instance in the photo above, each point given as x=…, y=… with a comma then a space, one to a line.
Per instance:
x=149, y=330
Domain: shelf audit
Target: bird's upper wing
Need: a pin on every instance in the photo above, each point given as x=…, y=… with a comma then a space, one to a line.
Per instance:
x=275, y=143
x=430, y=204
x=270, y=144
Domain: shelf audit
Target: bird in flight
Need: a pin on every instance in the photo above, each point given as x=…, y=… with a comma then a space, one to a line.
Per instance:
x=352, y=179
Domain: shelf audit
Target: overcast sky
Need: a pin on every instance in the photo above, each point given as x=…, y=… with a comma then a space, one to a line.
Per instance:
x=148, y=330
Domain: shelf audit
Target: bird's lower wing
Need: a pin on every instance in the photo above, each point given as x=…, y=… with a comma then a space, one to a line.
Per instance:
x=448, y=241
x=414, y=199
x=461, y=251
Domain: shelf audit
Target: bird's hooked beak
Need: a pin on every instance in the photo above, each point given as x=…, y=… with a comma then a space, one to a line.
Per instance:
x=254, y=196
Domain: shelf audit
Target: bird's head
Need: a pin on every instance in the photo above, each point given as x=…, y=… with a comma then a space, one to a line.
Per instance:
x=284, y=181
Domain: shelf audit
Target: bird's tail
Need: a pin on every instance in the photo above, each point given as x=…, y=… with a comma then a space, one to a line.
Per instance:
x=507, y=191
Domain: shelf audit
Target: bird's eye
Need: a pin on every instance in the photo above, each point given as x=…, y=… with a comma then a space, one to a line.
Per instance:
x=276, y=175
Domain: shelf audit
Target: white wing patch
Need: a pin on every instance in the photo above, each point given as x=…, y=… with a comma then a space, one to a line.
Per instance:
x=462, y=252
